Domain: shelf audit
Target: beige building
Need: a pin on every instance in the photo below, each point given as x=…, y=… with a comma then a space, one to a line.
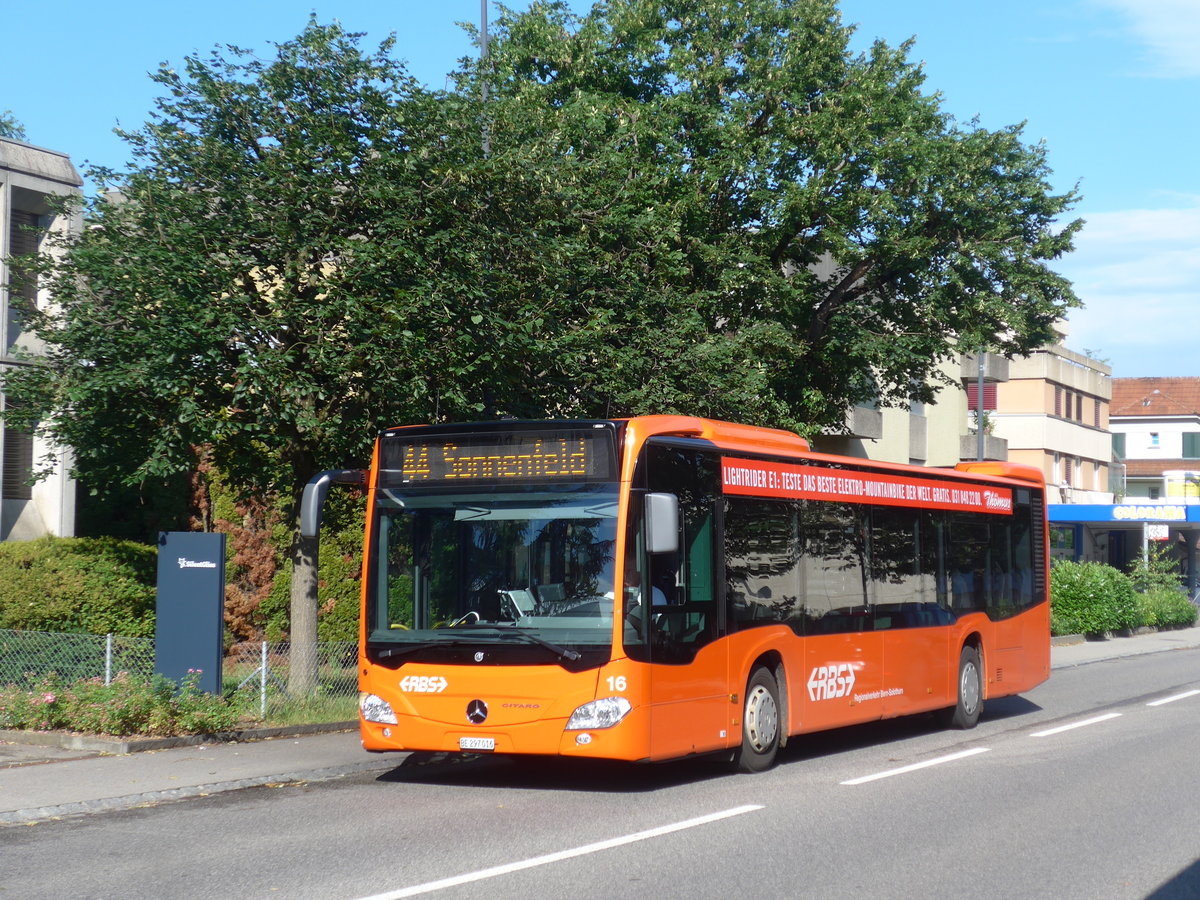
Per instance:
x=1053, y=413
x=30, y=180
x=929, y=434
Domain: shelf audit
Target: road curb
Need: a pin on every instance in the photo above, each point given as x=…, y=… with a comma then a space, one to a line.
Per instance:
x=117, y=746
x=1067, y=640
x=151, y=798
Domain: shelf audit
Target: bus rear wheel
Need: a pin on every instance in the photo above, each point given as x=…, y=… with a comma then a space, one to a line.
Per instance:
x=760, y=722
x=965, y=713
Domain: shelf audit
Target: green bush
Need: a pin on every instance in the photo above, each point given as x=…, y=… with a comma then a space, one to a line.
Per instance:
x=94, y=585
x=1166, y=607
x=1157, y=569
x=124, y=707
x=1091, y=598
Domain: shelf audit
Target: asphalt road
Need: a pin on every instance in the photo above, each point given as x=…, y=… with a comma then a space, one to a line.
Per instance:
x=1082, y=788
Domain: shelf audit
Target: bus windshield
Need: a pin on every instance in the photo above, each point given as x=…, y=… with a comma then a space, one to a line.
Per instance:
x=531, y=566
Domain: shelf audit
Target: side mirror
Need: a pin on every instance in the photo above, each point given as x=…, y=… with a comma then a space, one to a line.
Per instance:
x=313, y=500
x=662, y=523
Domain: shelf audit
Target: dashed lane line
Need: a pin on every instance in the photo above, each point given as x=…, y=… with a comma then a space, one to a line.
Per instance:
x=1081, y=724
x=494, y=871
x=915, y=766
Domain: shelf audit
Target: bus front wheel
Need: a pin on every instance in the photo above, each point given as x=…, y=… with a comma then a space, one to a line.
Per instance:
x=965, y=713
x=760, y=722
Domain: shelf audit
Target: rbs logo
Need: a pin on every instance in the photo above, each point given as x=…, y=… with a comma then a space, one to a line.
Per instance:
x=423, y=684
x=829, y=682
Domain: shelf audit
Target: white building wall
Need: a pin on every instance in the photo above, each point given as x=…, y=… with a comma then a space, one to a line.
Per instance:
x=31, y=178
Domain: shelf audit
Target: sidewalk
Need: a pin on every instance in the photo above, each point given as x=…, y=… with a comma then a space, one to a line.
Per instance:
x=42, y=782
x=1083, y=651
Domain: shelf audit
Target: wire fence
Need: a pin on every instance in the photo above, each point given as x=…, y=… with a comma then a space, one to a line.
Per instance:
x=262, y=676
x=26, y=657
x=258, y=677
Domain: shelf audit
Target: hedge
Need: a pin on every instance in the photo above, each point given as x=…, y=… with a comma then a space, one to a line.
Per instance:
x=1091, y=598
x=92, y=585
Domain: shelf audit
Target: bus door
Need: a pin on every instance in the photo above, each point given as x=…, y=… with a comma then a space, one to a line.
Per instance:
x=690, y=709
x=843, y=669
x=911, y=612
x=1016, y=568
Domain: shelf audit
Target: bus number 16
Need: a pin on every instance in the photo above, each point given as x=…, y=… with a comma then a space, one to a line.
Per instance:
x=616, y=683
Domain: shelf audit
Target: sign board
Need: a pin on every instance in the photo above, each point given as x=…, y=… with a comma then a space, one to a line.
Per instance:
x=191, y=607
x=1158, y=532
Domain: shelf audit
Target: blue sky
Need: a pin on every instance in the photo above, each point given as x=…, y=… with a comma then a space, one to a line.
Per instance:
x=1112, y=86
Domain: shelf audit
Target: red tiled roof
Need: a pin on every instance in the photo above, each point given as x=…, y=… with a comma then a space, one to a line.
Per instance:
x=1155, y=397
x=1135, y=468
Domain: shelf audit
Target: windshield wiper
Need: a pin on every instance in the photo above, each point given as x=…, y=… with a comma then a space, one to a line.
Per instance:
x=561, y=652
x=409, y=649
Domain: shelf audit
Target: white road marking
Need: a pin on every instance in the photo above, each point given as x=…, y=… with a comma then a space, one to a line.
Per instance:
x=597, y=847
x=921, y=765
x=1085, y=722
x=1182, y=696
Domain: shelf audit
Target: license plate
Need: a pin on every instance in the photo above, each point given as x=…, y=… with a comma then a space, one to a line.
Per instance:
x=476, y=743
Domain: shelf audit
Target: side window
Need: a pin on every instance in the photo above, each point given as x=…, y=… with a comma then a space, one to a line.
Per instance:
x=1025, y=551
x=904, y=569
x=762, y=562
x=681, y=588
x=967, y=554
x=834, y=569
x=1001, y=601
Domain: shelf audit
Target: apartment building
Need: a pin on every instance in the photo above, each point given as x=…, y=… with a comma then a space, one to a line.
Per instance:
x=941, y=433
x=1053, y=411
x=31, y=179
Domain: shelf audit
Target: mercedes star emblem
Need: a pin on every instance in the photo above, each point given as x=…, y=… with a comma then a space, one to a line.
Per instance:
x=476, y=711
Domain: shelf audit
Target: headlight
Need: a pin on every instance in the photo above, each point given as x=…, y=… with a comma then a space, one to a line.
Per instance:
x=376, y=709
x=603, y=713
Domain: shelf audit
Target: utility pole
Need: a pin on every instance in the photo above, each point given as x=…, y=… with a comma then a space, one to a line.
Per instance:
x=979, y=437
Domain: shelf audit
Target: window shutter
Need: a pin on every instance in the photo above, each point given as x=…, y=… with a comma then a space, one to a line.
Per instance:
x=17, y=465
x=989, y=395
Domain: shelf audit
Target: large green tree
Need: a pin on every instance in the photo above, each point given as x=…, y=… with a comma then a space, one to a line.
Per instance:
x=705, y=206
x=768, y=225
x=223, y=293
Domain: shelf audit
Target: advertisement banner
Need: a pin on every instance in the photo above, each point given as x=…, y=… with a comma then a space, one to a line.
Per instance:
x=758, y=478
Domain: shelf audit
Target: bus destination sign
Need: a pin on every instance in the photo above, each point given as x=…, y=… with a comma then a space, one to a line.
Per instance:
x=496, y=458
x=757, y=478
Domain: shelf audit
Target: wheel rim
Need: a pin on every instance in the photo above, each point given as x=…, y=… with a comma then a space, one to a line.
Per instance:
x=762, y=719
x=969, y=689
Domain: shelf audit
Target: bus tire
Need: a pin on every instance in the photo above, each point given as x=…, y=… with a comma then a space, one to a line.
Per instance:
x=760, y=722
x=965, y=712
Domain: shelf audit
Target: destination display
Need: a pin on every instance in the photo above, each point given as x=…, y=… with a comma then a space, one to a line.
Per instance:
x=758, y=478
x=522, y=456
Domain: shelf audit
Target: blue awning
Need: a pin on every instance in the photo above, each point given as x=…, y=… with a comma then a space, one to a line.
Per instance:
x=1125, y=513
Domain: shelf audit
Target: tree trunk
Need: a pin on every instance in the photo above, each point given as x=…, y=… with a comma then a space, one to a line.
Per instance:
x=302, y=678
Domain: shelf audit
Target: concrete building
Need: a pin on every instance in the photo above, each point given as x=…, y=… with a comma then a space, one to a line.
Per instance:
x=941, y=433
x=30, y=180
x=1053, y=411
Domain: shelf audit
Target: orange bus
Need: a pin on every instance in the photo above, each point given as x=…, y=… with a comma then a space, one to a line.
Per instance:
x=659, y=586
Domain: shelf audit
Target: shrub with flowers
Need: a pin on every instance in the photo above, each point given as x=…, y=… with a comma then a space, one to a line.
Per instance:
x=125, y=706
